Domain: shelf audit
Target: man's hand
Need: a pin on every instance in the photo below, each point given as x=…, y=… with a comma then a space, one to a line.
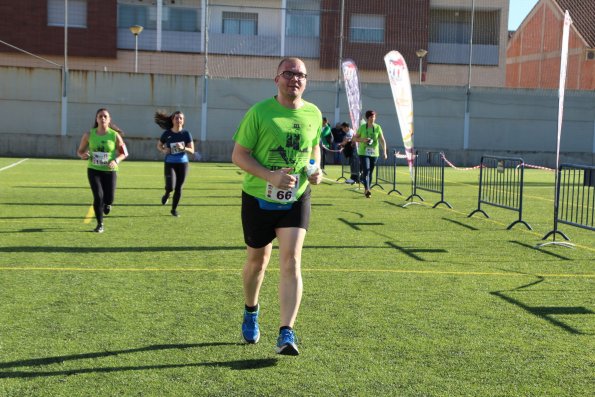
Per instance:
x=316, y=177
x=281, y=179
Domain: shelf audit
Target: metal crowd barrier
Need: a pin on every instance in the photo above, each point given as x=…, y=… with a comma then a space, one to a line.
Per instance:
x=386, y=171
x=349, y=167
x=501, y=185
x=428, y=175
x=575, y=198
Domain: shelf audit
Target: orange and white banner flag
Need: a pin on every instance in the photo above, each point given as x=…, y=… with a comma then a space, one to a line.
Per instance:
x=400, y=85
x=351, y=80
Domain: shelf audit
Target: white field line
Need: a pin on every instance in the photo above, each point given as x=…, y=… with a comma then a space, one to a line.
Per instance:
x=13, y=164
x=335, y=270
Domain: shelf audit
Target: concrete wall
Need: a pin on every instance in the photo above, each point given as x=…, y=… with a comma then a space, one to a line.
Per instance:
x=511, y=122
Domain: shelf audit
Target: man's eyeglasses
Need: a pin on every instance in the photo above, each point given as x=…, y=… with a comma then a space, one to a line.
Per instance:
x=288, y=74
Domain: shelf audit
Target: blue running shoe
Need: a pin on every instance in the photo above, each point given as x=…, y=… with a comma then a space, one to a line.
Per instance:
x=286, y=343
x=250, y=330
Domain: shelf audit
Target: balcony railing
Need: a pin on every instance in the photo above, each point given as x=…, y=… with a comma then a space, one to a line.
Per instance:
x=458, y=54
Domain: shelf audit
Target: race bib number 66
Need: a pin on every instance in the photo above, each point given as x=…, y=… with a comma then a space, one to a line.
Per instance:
x=283, y=195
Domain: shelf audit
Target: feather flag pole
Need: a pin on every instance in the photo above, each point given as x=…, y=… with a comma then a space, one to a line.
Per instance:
x=400, y=85
x=349, y=70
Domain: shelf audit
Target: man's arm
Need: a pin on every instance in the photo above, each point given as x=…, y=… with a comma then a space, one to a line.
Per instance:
x=316, y=177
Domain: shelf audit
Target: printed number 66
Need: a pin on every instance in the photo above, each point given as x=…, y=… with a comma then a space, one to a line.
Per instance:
x=281, y=195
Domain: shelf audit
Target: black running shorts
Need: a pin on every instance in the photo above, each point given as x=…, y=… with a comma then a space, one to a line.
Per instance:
x=259, y=225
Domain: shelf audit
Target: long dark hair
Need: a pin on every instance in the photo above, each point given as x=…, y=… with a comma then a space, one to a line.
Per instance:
x=110, y=125
x=165, y=120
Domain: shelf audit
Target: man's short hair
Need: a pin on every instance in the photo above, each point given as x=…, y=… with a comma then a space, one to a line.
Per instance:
x=289, y=59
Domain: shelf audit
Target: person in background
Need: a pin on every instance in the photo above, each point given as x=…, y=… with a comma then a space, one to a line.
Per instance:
x=349, y=146
x=176, y=143
x=104, y=149
x=338, y=136
x=326, y=141
x=368, y=136
x=274, y=143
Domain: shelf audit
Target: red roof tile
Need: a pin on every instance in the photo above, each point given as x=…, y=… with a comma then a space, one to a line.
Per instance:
x=582, y=13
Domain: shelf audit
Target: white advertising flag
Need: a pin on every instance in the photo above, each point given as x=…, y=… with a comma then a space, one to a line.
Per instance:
x=398, y=75
x=349, y=70
x=563, y=65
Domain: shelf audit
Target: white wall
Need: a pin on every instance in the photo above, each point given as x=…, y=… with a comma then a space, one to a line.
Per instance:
x=512, y=121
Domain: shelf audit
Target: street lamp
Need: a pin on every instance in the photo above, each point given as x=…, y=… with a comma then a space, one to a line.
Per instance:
x=421, y=53
x=135, y=30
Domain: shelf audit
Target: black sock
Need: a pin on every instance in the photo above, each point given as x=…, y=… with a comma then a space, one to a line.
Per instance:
x=285, y=327
x=251, y=309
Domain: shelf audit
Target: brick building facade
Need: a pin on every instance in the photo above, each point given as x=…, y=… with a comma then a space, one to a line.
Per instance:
x=97, y=39
x=533, y=52
x=408, y=31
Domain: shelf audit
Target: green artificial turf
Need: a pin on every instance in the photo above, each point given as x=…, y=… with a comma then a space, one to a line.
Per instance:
x=398, y=300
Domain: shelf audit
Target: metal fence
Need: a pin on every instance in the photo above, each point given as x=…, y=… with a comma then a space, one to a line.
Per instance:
x=575, y=198
x=501, y=185
x=386, y=173
x=428, y=175
x=350, y=168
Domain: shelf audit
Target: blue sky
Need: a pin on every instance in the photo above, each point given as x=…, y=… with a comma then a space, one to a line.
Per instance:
x=518, y=11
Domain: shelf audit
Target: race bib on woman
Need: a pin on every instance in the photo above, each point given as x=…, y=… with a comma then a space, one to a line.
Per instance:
x=100, y=158
x=177, y=148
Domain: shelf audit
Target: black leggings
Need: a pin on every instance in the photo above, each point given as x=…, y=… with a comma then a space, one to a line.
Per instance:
x=175, y=176
x=103, y=186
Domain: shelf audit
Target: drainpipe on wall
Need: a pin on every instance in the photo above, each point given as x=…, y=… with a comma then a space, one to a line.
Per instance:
x=64, y=107
x=283, y=16
x=467, y=104
x=341, y=24
x=205, y=85
x=159, y=24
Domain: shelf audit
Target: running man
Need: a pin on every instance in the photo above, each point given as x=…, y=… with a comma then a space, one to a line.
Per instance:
x=273, y=144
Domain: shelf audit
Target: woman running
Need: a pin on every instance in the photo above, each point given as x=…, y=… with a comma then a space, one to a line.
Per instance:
x=176, y=143
x=104, y=149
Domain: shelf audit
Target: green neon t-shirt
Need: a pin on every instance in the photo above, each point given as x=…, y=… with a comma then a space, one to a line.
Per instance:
x=279, y=138
x=364, y=132
x=326, y=132
x=102, y=149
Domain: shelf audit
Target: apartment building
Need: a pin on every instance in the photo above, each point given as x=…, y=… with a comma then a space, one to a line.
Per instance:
x=240, y=36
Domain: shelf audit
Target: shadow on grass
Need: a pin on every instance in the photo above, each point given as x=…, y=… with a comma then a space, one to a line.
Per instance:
x=44, y=187
x=541, y=251
x=356, y=225
x=116, y=205
x=546, y=312
x=396, y=204
x=411, y=252
x=36, y=362
x=38, y=230
x=460, y=224
x=91, y=250
x=88, y=250
x=79, y=218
